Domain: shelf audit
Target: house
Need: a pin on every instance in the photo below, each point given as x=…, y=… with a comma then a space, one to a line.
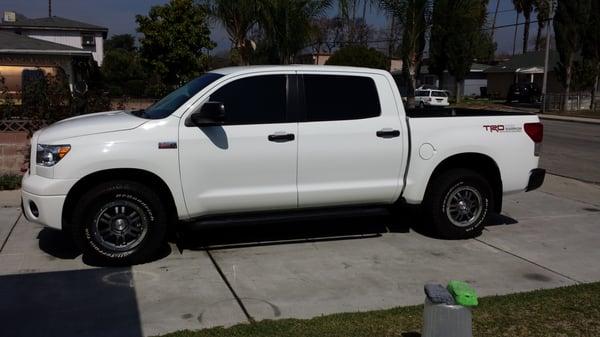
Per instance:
x=30, y=48
x=473, y=84
x=528, y=67
x=59, y=30
x=23, y=58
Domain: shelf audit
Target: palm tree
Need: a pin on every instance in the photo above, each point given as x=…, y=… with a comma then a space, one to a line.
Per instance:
x=287, y=24
x=542, y=9
x=413, y=16
x=238, y=17
x=525, y=7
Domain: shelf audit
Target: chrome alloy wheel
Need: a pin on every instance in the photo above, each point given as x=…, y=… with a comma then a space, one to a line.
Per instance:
x=464, y=206
x=120, y=226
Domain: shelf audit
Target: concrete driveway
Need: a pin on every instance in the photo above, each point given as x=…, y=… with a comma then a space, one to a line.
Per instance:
x=222, y=276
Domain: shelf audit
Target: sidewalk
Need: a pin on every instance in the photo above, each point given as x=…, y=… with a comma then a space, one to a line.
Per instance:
x=570, y=119
x=10, y=198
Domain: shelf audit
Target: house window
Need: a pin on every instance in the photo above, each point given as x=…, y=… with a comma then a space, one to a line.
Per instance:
x=88, y=40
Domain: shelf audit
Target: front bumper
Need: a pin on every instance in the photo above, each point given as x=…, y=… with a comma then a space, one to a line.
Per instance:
x=43, y=199
x=43, y=209
x=536, y=179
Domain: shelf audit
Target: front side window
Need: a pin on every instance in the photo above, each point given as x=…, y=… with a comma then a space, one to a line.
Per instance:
x=337, y=97
x=254, y=100
x=177, y=98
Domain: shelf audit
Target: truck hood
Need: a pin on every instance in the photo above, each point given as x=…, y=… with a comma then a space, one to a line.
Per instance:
x=89, y=125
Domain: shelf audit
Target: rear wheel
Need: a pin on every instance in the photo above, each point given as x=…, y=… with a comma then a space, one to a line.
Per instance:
x=120, y=222
x=458, y=203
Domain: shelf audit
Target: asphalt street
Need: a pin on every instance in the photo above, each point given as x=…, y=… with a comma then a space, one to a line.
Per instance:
x=572, y=150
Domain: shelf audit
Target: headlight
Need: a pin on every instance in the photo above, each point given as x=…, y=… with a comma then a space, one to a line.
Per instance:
x=49, y=155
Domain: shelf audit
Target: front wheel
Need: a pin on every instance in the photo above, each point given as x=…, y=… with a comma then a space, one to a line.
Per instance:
x=458, y=203
x=120, y=222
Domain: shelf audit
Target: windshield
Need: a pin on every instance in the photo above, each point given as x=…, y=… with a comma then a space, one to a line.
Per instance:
x=174, y=100
x=439, y=94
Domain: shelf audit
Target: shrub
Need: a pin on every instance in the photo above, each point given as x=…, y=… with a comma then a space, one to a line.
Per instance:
x=359, y=56
x=10, y=182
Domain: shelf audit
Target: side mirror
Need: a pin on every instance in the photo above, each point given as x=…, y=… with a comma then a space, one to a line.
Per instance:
x=210, y=114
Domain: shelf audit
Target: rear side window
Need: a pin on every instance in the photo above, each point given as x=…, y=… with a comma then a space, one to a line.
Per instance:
x=331, y=98
x=254, y=100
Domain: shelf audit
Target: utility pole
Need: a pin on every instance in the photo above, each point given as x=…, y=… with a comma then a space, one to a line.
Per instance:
x=495, y=16
x=515, y=39
x=547, y=58
x=49, y=8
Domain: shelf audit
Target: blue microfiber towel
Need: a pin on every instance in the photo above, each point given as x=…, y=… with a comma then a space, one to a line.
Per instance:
x=438, y=294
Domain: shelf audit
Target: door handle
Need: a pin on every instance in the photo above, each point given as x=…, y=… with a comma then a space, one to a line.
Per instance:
x=281, y=137
x=388, y=133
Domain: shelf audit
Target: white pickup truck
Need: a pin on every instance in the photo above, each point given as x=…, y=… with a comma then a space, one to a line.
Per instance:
x=273, y=141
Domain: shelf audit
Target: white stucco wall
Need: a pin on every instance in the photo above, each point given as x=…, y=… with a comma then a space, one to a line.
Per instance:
x=71, y=38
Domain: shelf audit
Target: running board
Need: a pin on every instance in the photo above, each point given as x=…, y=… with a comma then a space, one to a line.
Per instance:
x=286, y=216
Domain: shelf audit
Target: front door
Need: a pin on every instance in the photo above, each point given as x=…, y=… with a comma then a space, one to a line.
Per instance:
x=249, y=163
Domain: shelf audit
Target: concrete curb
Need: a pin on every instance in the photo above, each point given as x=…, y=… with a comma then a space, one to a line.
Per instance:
x=570, y=119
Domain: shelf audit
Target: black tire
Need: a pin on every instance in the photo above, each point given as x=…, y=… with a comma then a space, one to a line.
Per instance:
x=115, y=212
x=458, y=203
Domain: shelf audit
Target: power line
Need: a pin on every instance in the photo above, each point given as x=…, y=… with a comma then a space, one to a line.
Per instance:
x=516, y=24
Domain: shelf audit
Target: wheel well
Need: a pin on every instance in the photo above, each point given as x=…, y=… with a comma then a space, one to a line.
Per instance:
x=477, y=162
x=147, y=178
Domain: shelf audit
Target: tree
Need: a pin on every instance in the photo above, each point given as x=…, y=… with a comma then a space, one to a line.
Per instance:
x=238, y=17
x=122, y=70
x=175, y=39
x=287, y=25
x=591, y=48
x=486, y=49
x=525, y=7
x=414, y=17
x=359, y=56
x=570, y=22
x=122, y=41
x=542, y=9
x=455, y=37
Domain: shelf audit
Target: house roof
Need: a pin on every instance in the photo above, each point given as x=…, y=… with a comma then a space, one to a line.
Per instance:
x=12, y=43
x=530, y=62
x=475, y=68
x=50, y=23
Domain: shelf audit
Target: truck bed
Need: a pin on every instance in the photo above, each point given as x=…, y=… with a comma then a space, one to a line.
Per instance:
x=460, y=112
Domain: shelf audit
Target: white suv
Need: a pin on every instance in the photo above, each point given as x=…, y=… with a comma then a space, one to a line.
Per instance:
x=429, y=97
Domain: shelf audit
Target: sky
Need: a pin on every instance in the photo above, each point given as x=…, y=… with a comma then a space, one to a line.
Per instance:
x=119, y=17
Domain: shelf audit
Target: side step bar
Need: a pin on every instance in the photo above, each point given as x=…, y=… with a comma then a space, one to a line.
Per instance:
x=286, y=216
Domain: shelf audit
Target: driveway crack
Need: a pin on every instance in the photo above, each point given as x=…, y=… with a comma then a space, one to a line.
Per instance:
x=235, y=295
x=10, y=232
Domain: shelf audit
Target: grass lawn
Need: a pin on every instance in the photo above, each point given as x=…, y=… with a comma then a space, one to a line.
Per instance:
x=570, y=311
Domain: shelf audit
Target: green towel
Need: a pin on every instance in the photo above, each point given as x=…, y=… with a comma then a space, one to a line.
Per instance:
x=463, y=293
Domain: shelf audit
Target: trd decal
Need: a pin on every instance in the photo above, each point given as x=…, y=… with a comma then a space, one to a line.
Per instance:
x=502, y=128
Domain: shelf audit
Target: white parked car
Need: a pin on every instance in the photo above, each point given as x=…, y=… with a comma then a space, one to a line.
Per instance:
x=431, y=97
x=272, y=142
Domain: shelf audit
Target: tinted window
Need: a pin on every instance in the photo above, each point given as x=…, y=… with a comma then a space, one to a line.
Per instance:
x=340, y=97
x=254, y=100
x=438, y=94
x=174, y=100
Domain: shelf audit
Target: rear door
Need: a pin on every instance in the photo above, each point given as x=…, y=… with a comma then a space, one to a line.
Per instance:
x=349, y=146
